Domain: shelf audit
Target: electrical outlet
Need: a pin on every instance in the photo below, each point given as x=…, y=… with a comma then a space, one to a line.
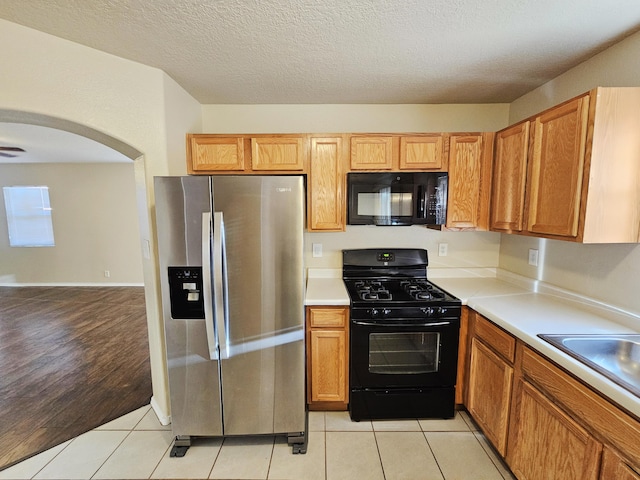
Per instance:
x=533, y=257
x=316, y=250
x=443, y=249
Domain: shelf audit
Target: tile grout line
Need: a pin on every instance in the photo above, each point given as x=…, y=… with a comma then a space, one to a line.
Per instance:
x=216, y=459
x=161, y=458
x=111, y=454
x=52, y=458
x=486, y=446
x=273, y=448
x=324, y=432
x=375, y=438
x=435, y=459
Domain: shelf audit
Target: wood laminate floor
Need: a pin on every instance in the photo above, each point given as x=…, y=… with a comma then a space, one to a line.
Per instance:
x=71, y=359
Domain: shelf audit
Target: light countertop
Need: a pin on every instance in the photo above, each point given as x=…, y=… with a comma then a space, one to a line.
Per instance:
x=325, y=287
x=524, y=308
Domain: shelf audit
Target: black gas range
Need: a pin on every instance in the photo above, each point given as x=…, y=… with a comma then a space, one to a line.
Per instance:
x=403, y=336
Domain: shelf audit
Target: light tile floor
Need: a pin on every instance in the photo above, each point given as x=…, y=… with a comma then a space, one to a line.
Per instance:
x=136, y=446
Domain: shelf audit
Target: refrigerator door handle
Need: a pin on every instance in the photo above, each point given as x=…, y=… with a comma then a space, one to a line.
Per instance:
x=221, y=312
x=206, y=285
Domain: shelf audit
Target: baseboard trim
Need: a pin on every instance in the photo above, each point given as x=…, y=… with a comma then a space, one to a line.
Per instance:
x=162, y=416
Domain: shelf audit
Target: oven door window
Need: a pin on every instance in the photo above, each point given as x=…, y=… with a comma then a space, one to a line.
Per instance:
x=404, y=353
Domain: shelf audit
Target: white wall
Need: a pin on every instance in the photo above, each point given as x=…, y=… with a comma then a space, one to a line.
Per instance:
x=95, y=225
x=609, y=273
x=138, y=105
x=466, y=249
x=353, y=118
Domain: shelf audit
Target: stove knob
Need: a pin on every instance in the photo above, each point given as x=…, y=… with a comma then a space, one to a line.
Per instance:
x=442, y=310
x=374, y=312
x=386, y=312
x=428, y=311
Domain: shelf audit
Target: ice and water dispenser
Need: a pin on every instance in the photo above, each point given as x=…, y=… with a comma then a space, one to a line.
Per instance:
x=185, y=292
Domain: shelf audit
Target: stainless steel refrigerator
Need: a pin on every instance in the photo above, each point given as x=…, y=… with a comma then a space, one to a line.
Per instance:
x=232, y=280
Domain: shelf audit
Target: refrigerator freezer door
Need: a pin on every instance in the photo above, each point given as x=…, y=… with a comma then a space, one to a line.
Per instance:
x=194, y=379
x=263, y=378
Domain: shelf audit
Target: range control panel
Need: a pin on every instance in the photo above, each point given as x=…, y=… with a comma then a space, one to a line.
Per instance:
x=386, y=257
x=185, y=292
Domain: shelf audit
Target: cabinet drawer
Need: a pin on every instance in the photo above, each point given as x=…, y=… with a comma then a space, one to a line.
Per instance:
x=328, y=317
x=502, y=342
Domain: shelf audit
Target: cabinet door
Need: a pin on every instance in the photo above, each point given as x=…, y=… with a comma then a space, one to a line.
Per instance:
x=466, y=205
x=489, y=393
x=424, y=152
x=327, y=358
x=615, y=468
x=326, y=201
x=278, y=153
x=210, y=154
x=509, y=178
x=328, y=366
x=546, y=444
x=556, y=169
x=371, y=153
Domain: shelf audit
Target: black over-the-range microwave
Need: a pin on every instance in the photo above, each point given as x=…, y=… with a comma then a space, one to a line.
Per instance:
x=397, y=198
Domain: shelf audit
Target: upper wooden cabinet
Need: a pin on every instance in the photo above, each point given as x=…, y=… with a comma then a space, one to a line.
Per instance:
x=372, y=152
x=246, y=153
x=278, y=153
x=469, y=181
x=417, y=152
x=326, y=204
x=509, y=178
x=212, y=153
x=582, y=171
x=422, y=152
x=556, y=168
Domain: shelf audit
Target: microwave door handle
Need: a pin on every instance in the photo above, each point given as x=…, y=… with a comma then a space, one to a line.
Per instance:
x=422, y=202
x=220, y=304
x=206, y=286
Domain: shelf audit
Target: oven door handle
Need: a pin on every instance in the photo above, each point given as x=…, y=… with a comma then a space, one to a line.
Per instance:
x=391, y=324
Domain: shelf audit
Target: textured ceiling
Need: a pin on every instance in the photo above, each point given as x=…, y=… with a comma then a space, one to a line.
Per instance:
x=342, y=51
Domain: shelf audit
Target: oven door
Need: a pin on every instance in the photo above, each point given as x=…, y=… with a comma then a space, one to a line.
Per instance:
x=399, y=353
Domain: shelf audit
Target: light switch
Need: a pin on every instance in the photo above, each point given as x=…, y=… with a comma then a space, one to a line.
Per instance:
x=317, y=249
x=533, y=257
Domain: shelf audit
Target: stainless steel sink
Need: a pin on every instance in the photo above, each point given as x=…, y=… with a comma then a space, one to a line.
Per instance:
x=614, y=356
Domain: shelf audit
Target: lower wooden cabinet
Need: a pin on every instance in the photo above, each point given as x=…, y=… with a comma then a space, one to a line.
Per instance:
x=614, y=467
x=546, y=444
x=546, y=423
x=490, y=379
x=327, y=358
